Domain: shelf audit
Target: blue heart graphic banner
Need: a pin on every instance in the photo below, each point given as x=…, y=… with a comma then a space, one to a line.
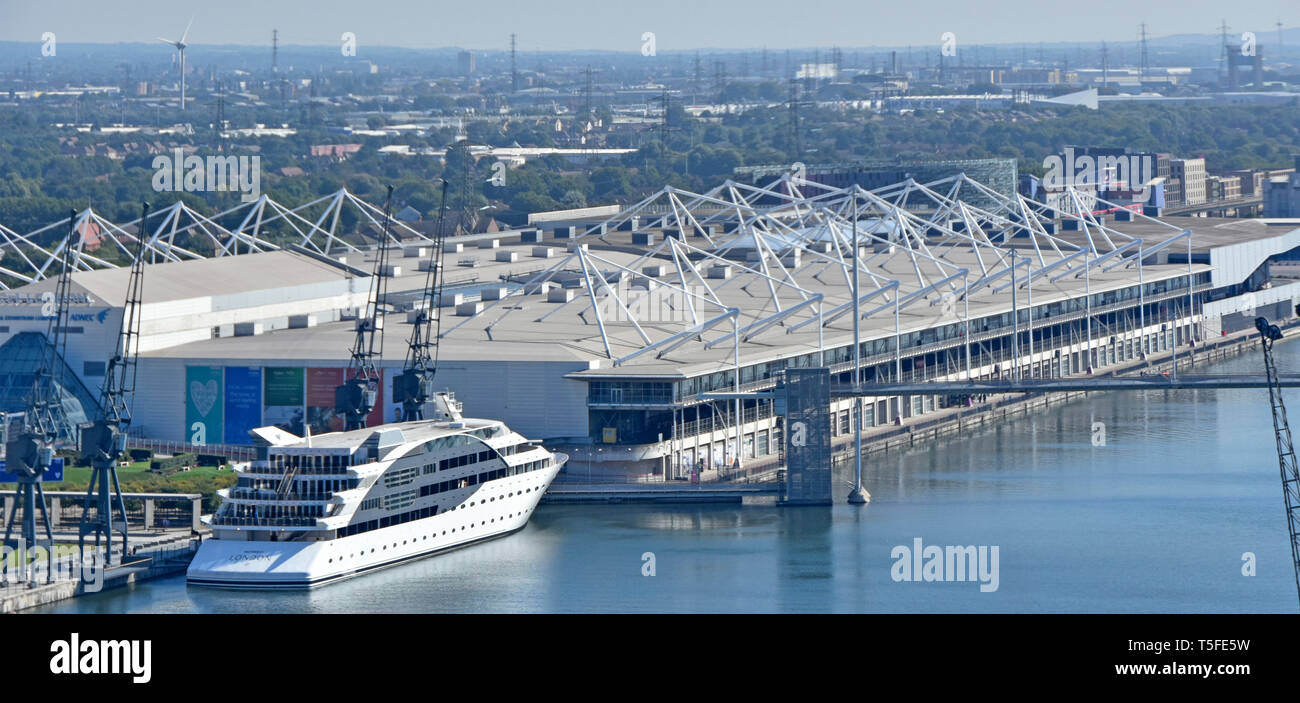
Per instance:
x=204, y=406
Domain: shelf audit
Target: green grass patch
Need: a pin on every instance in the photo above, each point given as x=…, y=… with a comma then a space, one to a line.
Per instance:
x=137, y=478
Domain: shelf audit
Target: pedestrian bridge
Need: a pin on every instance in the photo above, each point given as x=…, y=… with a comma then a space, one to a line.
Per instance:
x=1154, y=382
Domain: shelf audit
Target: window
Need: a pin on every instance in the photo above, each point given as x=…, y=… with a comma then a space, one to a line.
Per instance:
x=401, y=499
x=400, y=477
x=634, y=392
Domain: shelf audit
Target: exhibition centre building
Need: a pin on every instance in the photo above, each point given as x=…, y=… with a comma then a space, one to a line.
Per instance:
x=609, y=337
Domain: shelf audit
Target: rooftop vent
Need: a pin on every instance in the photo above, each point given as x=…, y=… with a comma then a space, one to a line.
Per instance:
x=560, y=295
x=469, y=309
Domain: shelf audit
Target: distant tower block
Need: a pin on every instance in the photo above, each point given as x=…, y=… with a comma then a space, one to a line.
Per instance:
x=465, y=63
x=1255, y=62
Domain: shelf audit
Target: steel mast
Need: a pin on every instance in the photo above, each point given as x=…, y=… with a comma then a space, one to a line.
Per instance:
x=360, y=392
x=859, y=495
x=1286, y=458
x=103, y=441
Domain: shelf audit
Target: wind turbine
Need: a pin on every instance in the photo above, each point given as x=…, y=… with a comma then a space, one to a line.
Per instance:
x=180, y=46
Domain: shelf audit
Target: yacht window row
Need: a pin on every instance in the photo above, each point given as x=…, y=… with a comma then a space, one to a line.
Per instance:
x=302, y=484
x=467, y=481
x=311, y=463
x=288, y=515
x=388, y=521
x=401, y=477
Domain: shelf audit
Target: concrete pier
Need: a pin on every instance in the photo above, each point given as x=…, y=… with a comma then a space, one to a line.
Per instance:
x=157, y=555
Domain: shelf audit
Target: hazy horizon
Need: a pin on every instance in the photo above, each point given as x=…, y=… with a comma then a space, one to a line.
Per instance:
x=579, y=25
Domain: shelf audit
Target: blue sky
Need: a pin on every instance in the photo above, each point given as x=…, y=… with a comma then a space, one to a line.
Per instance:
x=551, y=25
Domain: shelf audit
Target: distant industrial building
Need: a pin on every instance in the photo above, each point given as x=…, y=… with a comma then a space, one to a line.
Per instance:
x=1191, y=173
x=1086, y=173
x=1282, y=194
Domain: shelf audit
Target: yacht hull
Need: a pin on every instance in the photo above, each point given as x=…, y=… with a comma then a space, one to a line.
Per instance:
x=499, y=508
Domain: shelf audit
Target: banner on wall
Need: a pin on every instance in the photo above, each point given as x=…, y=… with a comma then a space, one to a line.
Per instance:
x=284, y=398
x=243, y=403
x=320, y=401
x=53, y=475
x=203, y=404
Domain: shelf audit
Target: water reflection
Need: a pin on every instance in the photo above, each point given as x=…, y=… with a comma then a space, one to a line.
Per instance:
x=1155, y=518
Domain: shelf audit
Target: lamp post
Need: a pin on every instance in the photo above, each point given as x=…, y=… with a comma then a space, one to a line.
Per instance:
x=859, y=495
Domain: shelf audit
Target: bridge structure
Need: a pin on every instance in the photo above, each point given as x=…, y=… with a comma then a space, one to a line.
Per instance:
x=1247, y=204
x=805, y=395
x=1058, y=385
x=1039, y=385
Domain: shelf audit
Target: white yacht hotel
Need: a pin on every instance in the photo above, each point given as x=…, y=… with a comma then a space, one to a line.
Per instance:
x=314, y=510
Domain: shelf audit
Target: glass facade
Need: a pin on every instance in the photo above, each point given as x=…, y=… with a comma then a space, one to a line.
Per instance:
x=630, y=393
x=1113, y=312
x=20, y=357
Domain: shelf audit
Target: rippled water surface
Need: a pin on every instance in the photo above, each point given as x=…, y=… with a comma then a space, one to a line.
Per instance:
x=1157, y=519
